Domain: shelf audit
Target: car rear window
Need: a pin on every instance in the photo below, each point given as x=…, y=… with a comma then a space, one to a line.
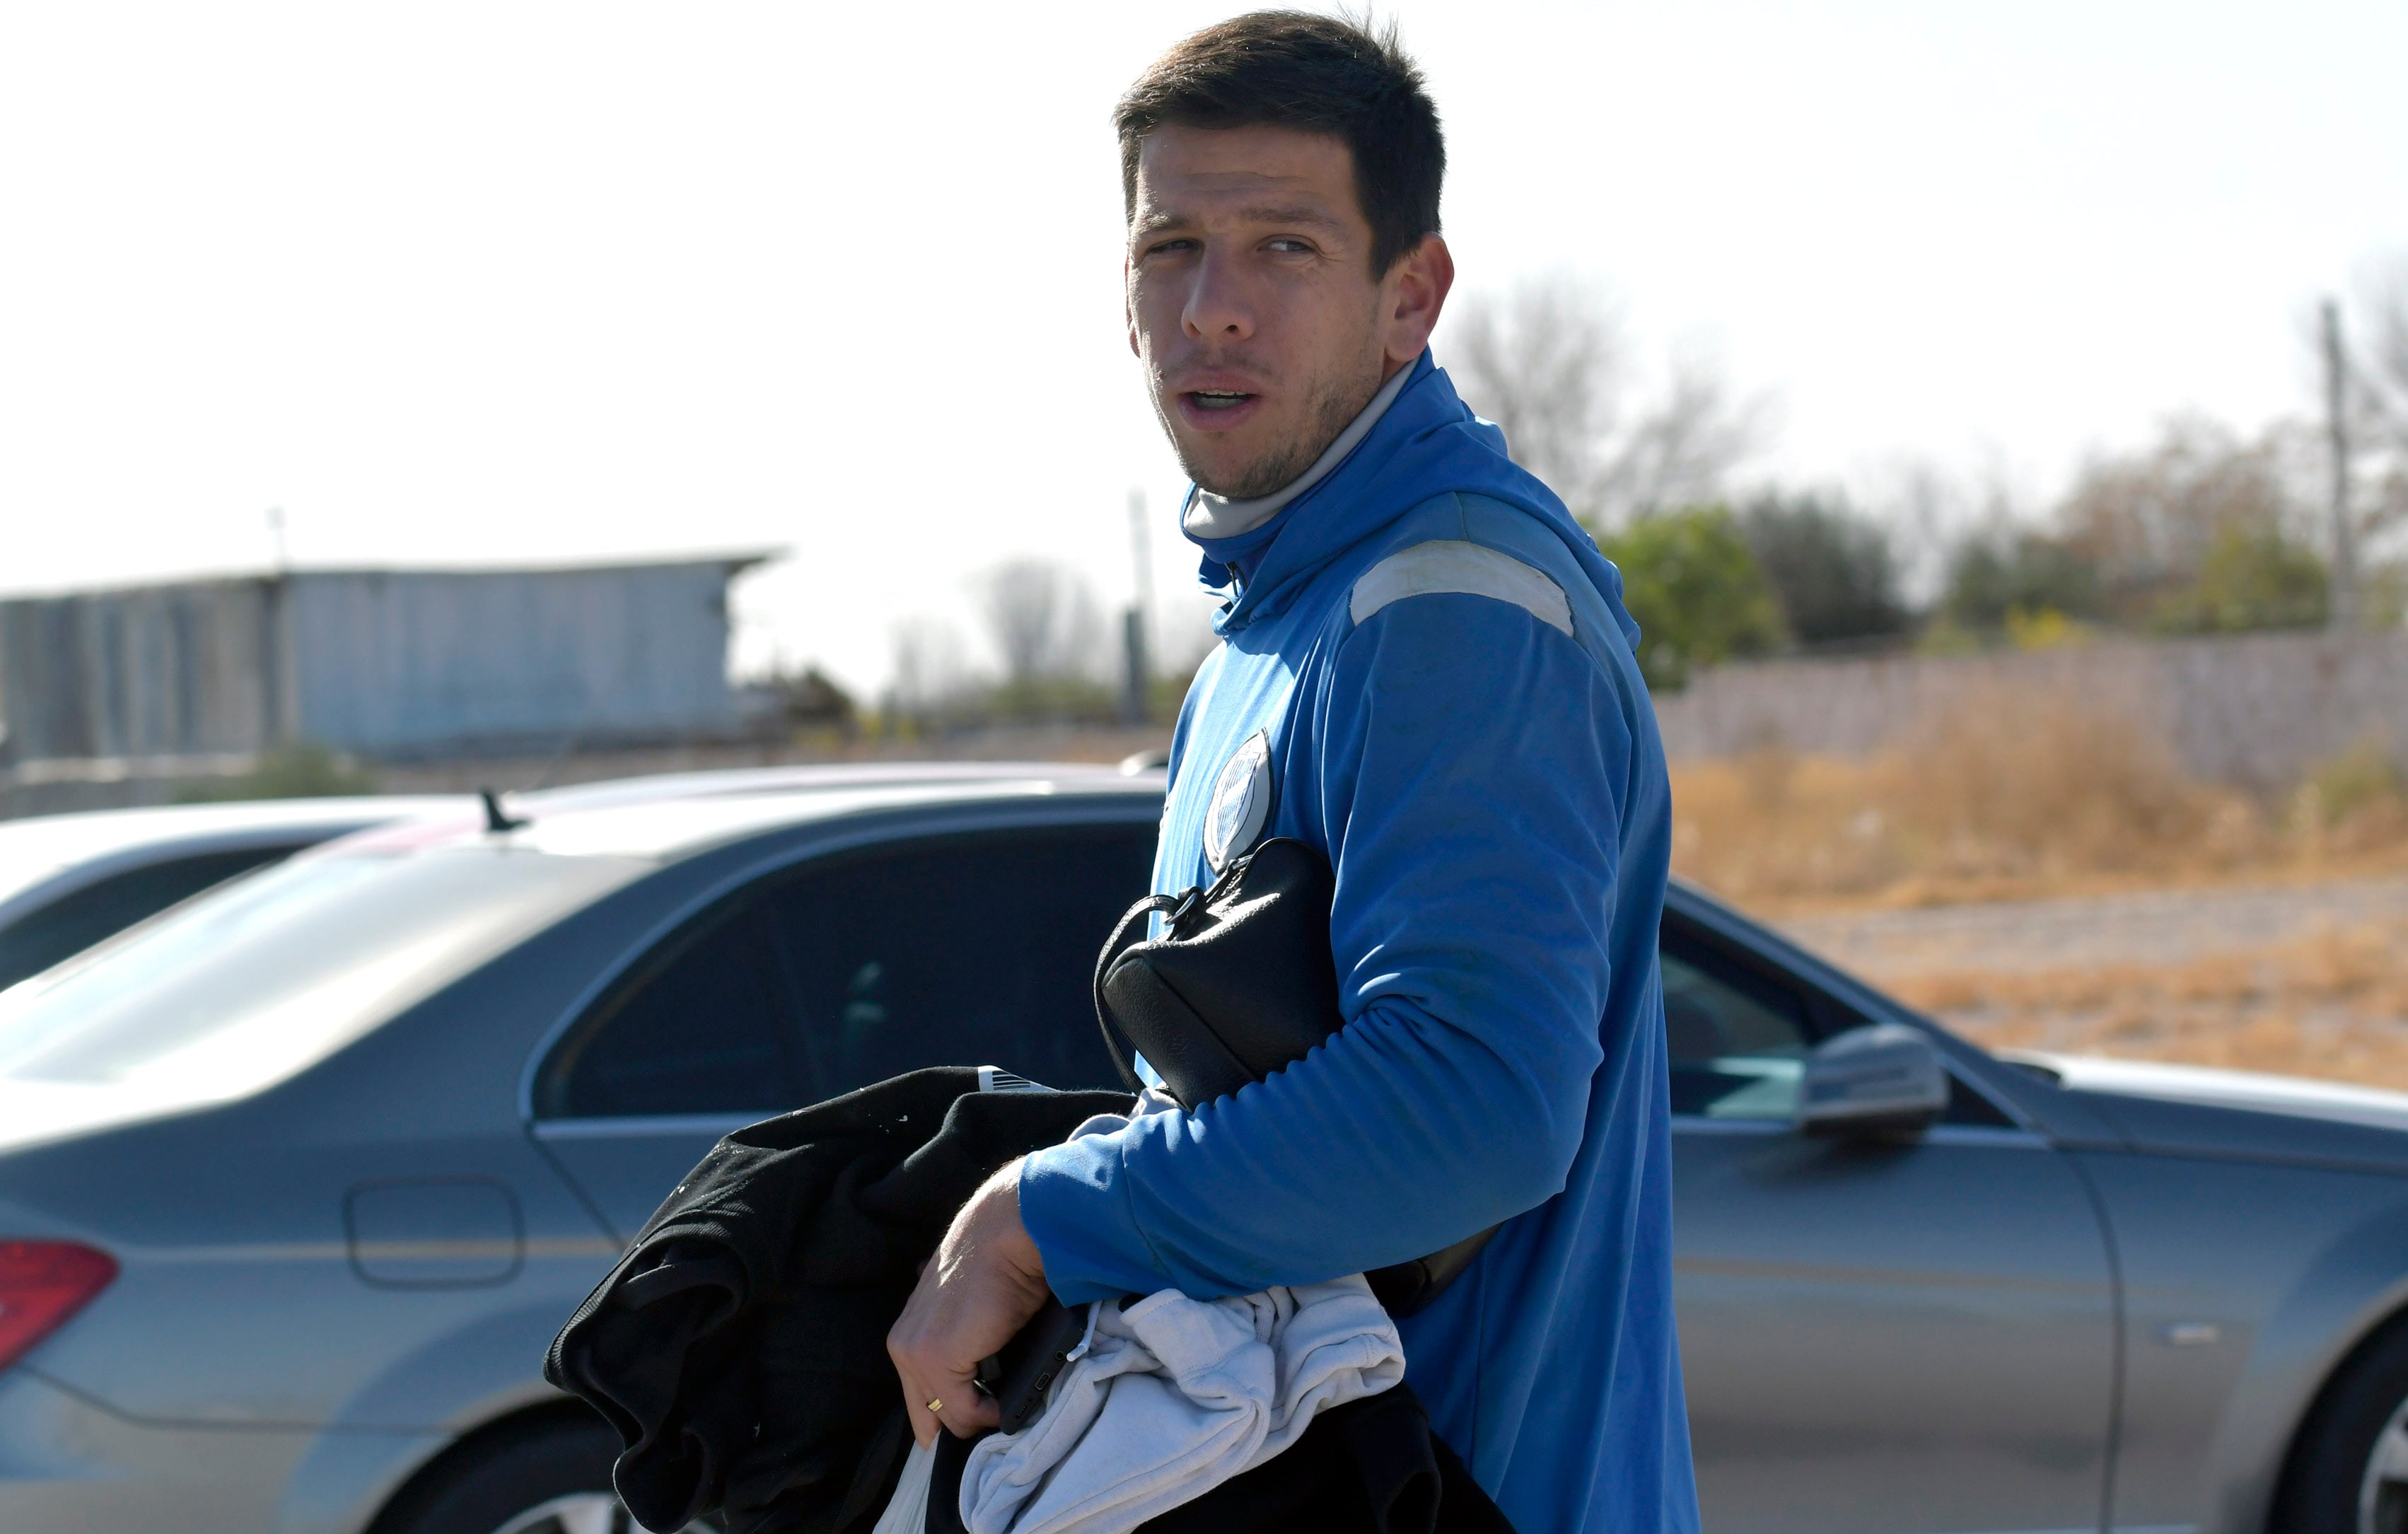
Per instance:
x=249, y=984
x=76, y=921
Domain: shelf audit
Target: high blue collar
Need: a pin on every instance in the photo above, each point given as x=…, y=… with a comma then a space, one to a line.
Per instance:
x=1428, y=444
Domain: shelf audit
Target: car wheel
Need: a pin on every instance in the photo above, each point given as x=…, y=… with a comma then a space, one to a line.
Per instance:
x=552, y=1477
x=2348, y=1473
x=2382, y=1488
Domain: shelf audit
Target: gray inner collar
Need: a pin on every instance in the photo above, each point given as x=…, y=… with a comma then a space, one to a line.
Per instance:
x=1207, y=515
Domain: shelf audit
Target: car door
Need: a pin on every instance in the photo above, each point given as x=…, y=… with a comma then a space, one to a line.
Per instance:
x=964, y=949
x=1878, y=1337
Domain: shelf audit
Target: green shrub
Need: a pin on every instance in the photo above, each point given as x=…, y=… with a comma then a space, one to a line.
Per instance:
x=1696, y=591
x=303, y=770
x=2252, y=578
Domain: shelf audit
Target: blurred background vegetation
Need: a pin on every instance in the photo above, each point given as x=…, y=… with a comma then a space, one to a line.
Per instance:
x=2203, y=530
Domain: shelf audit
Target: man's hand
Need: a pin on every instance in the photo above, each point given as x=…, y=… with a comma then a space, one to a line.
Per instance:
x=982, y=1285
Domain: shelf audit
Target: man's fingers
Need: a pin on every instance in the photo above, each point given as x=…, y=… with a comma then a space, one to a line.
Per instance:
x=968, y=1410
x=981, y=1288
x=917, y=1392
x=952, y=1403
x=935, y=1393
x=923, y=1427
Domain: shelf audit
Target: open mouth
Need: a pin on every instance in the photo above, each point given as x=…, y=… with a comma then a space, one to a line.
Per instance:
x=1217, y=399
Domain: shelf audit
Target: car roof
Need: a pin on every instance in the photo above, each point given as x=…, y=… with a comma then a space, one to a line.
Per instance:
x=811, y=777
x=677, y=815
x=90, y=843
x=101, y=831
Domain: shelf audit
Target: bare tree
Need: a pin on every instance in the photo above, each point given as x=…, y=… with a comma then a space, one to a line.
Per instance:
x=1936, y=514
x=2379, y=376
x=1549, y=362
x=2148, y=520
x=928, y=669
x=1681, y=451
x=1042, y=621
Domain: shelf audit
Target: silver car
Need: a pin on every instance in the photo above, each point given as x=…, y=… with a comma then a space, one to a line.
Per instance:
x=297, y=1181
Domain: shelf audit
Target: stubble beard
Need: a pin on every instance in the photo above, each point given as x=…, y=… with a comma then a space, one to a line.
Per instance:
x=1334, y=401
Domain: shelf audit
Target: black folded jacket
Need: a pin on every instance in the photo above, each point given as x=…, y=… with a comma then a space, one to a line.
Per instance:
x=739, y=1346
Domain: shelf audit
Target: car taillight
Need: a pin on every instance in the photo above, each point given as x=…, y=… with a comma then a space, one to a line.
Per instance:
x=41, y=1284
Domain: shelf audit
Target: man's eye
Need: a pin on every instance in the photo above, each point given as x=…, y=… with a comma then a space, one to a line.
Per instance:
x=1171, y=246
x=1288, y=246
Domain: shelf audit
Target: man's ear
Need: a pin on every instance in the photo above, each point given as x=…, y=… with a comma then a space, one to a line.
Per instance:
x=1128, y=312
x=1413, y=292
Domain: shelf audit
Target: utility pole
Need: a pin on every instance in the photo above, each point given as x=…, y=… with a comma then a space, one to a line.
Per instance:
x=278, y=705
x=1142, y=547
x=1137, y=674
x=2344, y=531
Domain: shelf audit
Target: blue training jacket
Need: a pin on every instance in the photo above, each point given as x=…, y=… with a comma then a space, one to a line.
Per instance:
x=1428, y=676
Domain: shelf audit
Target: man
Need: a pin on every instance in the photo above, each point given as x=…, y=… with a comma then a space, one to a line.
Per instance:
x=1425, y=673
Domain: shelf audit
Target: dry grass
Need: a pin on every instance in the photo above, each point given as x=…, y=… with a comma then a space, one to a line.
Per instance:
x=2014, y=796
x=2334, y=1005
x=2021, y=798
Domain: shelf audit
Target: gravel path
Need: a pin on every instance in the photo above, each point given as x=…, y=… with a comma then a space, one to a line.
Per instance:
x=2159, y=928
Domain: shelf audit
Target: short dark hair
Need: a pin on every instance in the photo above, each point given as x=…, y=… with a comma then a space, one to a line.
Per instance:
x=1323, y=74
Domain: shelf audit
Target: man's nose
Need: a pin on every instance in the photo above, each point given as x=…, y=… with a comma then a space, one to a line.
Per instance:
x=1217, y=308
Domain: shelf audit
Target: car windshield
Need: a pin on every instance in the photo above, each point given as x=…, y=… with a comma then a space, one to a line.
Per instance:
x=259, y=979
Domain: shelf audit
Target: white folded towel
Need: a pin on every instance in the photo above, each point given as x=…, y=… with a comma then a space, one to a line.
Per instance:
x=1174, y=1395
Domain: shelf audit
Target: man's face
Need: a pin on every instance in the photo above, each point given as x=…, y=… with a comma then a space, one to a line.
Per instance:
x=1252, y=304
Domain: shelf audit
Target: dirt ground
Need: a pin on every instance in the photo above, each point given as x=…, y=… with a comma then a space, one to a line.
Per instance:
x=2310, y=979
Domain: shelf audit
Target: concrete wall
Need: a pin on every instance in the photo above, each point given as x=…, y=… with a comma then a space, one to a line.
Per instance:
x=380, y=664
x=420, y=663
x=164, y=671
x=2254, y=710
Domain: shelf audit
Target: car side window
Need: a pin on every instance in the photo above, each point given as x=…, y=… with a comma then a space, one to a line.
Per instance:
x=700, y=1025
x=977, y=949
x=1736, y=1044
x=1737, y=1041
x=971, y=951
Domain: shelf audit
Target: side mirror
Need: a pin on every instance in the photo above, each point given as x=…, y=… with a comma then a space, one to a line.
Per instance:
x=1884, y=1079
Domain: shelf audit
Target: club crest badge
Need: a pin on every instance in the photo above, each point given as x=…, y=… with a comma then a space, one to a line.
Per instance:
x=1242, y=803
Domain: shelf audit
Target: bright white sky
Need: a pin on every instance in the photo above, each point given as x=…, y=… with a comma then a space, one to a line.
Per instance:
x=461, y=283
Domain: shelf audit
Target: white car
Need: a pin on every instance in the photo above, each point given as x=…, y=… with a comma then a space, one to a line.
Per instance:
x=68, y=881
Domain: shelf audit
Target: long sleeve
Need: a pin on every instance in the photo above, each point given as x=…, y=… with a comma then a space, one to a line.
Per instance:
x=1471, y=768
